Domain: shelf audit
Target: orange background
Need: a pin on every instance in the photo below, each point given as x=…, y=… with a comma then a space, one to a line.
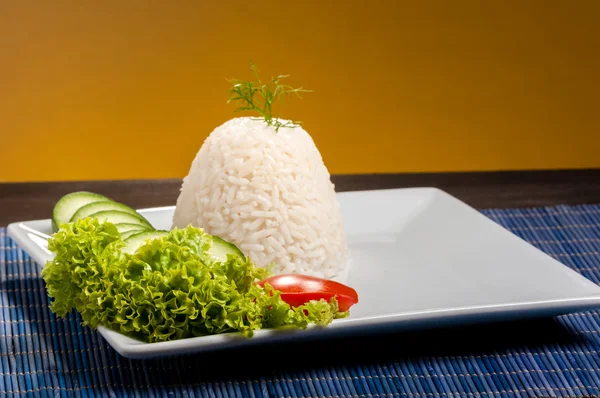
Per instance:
x=130, y=89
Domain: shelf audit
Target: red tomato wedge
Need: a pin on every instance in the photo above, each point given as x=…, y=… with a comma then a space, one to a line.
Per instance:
x=299, y=289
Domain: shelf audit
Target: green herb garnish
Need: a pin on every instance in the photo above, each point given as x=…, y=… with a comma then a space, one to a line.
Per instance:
x=168, y=289
x=259, y=97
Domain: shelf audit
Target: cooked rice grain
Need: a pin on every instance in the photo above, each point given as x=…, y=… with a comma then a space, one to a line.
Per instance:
x=268, y=193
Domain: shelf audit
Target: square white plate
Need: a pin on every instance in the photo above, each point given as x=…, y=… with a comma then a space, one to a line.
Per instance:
x=420, y=258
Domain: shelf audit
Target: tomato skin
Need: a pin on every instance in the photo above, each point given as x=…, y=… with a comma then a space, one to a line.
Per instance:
x=298, y=289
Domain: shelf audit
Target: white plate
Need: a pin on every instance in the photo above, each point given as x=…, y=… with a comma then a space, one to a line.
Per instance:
x=420, y=258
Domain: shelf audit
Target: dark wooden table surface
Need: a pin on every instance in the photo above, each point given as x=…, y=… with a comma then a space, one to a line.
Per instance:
x=28, y=201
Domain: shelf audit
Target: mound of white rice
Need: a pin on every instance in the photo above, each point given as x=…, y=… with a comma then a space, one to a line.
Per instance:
x=268, y=193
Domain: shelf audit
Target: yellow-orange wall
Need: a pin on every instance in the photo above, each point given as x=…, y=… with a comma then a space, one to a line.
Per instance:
x=129, y=89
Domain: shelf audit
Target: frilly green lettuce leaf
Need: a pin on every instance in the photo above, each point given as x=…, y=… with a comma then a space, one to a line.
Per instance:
x=169, y=289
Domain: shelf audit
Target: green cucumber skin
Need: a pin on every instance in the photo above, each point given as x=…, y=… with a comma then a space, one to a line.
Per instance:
x=126, y=227
x=133, y=242
x=127, y=234
x=118, y=217
x=96, y=207
x=67, y=205
x=220, y=248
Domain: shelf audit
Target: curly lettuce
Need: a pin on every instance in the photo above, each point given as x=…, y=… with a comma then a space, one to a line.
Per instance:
x=170, y=288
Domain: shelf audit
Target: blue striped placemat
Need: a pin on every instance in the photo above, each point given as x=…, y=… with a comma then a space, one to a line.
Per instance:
x=44, y=356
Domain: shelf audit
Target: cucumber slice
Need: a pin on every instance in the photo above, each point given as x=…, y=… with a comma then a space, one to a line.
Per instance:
x=66, y=206
x=96, y=207
x=126, y=227
x=219, y=249
x=127, y=234
x=118, y=217
x=133, y=242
